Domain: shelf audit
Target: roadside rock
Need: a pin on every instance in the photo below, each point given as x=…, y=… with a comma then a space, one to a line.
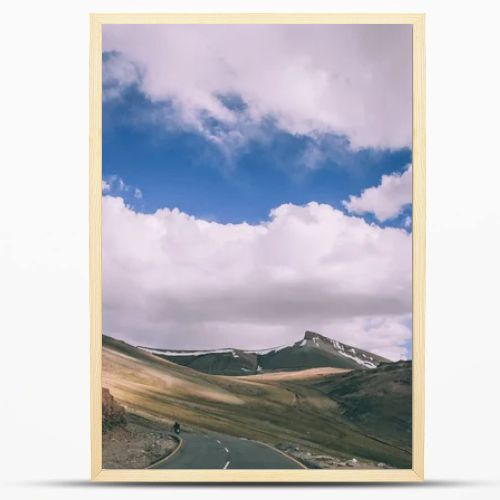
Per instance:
x=113, y=414
x=316, y=461
x=130, y=441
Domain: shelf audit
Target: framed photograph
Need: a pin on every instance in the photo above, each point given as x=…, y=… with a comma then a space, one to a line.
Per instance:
x=257, y=247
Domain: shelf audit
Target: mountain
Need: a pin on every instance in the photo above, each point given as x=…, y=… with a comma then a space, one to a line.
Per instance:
x=313, y=351
x=307, y=409
x=378, y=401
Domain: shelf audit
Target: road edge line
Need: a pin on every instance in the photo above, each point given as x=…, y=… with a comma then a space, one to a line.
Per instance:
x=284, y=454
x=164, y=459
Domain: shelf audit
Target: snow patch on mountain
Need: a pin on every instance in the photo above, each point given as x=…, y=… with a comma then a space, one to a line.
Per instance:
x=267, y=351
x=165, y=352
x=346, y=351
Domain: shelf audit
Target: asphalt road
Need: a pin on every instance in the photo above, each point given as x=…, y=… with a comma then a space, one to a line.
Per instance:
x=218, y=451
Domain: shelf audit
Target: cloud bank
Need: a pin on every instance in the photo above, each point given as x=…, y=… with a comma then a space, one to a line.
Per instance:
x=386, y=200
x=352, y=80
x=170, y=279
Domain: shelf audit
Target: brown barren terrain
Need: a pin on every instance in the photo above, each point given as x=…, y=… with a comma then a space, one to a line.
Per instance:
x=283, y=410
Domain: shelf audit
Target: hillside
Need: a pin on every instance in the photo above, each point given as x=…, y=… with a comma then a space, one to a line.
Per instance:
x=286, y=411
x=313, y=351
x=378, y=401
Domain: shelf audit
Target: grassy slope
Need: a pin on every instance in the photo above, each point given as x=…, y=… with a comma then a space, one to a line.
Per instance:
x=265, y=410
x=299, y=376
x=378, y=401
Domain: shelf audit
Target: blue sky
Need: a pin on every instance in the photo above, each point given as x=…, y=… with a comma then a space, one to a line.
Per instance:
x=257, y=184
x=178, y=167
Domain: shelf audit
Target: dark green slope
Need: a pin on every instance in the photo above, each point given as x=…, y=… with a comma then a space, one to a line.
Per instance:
x=377, y=401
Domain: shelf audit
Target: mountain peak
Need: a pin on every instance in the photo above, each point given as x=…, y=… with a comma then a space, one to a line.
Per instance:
x=309, y=335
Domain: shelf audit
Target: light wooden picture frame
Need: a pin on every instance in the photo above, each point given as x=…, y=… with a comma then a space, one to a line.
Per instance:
x=416, y=472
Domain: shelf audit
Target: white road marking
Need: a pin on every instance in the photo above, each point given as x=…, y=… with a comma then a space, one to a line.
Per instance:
x=227, y=451
x=227, y=463
x=219, y=441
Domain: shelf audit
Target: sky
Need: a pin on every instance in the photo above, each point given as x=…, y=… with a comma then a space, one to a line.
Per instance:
x=257, y=183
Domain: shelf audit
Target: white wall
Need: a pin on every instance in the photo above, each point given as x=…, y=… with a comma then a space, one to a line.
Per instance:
x=44, y=446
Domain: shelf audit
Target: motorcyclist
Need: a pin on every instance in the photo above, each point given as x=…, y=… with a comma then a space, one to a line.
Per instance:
x=177, y=428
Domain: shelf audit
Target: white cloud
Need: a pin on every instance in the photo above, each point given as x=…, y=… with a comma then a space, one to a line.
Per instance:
x=172, y=280
x=347, y=79
x=387, y=199
x=115, y=185
x=117, y=74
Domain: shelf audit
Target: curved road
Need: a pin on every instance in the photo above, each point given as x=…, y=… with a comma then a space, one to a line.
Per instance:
x=218, y=451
